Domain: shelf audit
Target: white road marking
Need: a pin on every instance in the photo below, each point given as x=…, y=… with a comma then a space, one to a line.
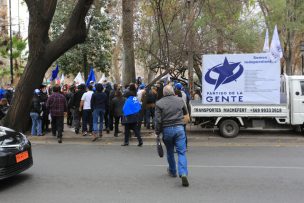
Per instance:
x=249, y=167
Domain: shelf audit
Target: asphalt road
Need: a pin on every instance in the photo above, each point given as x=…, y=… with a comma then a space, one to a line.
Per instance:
x=98, y=173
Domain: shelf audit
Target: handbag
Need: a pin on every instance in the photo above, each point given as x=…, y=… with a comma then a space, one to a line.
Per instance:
x=159, y=146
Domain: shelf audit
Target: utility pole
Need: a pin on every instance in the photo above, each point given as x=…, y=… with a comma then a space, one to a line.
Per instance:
x=190, y=52
x=11, y=42
x=19, y=18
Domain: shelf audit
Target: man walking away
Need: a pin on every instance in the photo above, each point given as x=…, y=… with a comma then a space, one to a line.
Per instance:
x=76, y=104
x=169, y=113
x=99, y=104
x=57, y=105
x=85, y=104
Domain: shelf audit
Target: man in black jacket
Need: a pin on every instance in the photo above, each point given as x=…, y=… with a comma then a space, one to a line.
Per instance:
x=75, y=103
x=99, y=105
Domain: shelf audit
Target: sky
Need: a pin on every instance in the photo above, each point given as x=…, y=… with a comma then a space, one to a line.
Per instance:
x=23, y=17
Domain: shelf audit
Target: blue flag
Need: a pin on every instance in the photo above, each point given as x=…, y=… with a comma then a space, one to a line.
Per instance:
x=91, y=77
x=55, y=73
x=131, y=106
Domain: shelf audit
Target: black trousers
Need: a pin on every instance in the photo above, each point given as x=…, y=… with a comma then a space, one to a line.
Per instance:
x=87, y=118
x=45, y=121
x=106, y=119
x=136, y=128
x=57, y=125
x=117, y=123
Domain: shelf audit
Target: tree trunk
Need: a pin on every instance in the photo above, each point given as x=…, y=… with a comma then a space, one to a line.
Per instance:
x=42, y=53
x=128, y=73
x=115, y=56
x=85, y=65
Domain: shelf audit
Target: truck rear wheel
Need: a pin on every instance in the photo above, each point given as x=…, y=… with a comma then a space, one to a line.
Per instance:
x=229, y=128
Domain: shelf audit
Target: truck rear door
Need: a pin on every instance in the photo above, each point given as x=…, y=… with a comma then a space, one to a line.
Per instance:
x=297, y=101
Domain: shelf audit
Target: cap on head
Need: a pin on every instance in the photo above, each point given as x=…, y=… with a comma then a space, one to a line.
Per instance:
x=37, y=91
x=178, y=86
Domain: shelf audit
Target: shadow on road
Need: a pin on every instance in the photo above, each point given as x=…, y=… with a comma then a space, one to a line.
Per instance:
x=13, y=181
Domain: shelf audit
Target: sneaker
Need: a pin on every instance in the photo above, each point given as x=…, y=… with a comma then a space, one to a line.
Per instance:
x=171, y=174
x=84, y=134
x=185, y=181
x=59, y=140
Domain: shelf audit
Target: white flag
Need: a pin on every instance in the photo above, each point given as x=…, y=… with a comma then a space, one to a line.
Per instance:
x=79, y=80
x=103, y=78
x=62, y=79
x=166, y=78
x=266, y=43
x=276, y=52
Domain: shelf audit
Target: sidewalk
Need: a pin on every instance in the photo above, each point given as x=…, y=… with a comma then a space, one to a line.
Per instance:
x=196, y=137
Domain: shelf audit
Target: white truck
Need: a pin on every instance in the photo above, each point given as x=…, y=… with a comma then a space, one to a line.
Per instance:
x=229, y=118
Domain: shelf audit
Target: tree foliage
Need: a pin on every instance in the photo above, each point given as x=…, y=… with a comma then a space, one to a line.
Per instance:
x=18, y=54
x=95, y=51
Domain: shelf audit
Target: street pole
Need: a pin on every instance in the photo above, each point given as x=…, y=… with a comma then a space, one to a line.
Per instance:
x=11, y=43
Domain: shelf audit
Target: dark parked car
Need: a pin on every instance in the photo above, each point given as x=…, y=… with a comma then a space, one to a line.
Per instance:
x=15, y=153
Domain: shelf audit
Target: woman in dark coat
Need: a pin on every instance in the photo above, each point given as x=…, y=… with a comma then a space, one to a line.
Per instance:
x=132, y=122
x=116, y=107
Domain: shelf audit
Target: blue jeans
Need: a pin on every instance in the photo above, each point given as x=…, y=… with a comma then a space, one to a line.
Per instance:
x=98, y=114
x=36, y=124
x=174, y=136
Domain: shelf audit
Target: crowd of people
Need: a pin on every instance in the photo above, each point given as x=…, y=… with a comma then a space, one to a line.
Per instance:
x=98, y=108
x=102, y=107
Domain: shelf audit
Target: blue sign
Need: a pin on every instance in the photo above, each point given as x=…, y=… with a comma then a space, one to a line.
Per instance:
x=225, y=73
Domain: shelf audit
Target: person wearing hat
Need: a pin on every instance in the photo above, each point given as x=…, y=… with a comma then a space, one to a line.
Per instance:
x=35, y=113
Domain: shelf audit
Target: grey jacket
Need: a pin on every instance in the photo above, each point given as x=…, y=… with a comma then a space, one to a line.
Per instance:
x=169, y=111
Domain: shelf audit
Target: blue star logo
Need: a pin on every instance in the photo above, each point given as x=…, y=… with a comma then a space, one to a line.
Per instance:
x=225, y=73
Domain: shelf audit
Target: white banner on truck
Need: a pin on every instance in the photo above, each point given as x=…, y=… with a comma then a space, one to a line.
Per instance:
x=241, y=78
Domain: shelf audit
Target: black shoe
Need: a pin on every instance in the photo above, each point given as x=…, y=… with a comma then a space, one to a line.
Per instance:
x=185, y=181
x=125, y=144
x=115, y=134
x=108, y=130
x=119, y=131
x=59, y=140
x=77, y=131
x=140, y=144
